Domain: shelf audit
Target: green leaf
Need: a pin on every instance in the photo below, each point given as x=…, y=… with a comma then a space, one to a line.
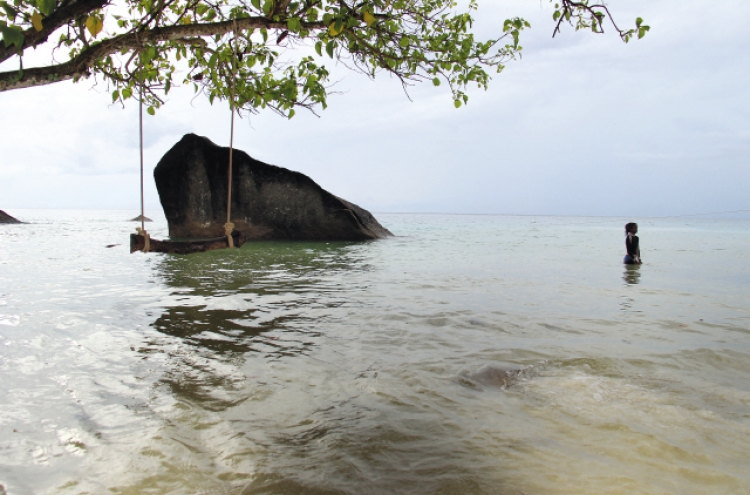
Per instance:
x=329, y=48
x=457, y=103
x=46, y=6
x=294, y=24
x=12, y=35
x=151, y=110
x=9, y=11
x=115, y=95
x=256, y=4
x=319, y=48
x=268, y=7
x=403, y=42
x=436, y=81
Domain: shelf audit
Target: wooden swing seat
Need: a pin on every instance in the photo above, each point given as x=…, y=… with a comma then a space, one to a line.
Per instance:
x=138, y=242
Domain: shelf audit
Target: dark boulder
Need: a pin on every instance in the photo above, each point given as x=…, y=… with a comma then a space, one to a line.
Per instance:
x=268, y=202
x=5, y=218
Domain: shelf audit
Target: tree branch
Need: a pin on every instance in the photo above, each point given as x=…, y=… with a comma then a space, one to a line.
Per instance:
x=596, y=12
x=80, y=65
x=61, y=16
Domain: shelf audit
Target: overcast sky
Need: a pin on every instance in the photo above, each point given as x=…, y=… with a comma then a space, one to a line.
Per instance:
x=582, y=125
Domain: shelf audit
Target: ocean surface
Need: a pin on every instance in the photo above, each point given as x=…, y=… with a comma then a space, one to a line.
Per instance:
x=466, y=355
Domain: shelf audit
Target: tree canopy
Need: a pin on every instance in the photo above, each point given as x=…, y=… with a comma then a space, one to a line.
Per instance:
x=265, y=53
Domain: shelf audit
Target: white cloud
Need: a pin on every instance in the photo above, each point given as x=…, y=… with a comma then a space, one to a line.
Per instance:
x=583, y=124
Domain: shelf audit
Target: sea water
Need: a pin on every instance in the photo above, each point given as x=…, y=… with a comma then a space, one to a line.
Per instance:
x=465, y=355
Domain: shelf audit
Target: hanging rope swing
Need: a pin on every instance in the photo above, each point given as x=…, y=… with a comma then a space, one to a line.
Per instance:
x=229, y=226
x=142, y=229
x=141, y=241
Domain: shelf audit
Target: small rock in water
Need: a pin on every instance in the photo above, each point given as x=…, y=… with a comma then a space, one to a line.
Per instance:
x=5, y=218
x=493, y=376
x=111, y=245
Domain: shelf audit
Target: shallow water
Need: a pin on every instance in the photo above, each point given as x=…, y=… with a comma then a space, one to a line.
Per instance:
x=469, y=354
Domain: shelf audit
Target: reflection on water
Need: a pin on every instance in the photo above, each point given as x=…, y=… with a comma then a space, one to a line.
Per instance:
x=225, y=300
x=632, y=274
x=267, y=299
x=289, y=265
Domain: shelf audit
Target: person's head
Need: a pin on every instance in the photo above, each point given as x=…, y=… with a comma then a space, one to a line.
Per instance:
x=631, y=228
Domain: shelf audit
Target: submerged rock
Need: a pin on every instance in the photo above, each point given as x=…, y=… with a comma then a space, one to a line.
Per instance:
x=268, y=202
x=5, y=218
x=493, y=376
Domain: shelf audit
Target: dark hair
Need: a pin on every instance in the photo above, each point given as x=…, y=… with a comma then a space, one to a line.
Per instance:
x=630, y=227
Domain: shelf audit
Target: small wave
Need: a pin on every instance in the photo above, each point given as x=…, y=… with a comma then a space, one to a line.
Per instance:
x=10, y=320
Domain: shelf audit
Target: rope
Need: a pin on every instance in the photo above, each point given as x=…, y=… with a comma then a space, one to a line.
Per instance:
x=146, y=239
x=229, y=226
x=142, y=229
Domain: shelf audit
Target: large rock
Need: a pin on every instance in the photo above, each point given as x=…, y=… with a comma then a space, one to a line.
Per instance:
x=5, y=218
x=268, y=202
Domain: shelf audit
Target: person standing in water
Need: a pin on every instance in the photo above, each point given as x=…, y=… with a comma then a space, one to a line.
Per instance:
x=631, y=244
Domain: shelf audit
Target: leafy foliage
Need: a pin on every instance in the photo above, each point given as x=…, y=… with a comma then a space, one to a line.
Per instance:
x=264, y=53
